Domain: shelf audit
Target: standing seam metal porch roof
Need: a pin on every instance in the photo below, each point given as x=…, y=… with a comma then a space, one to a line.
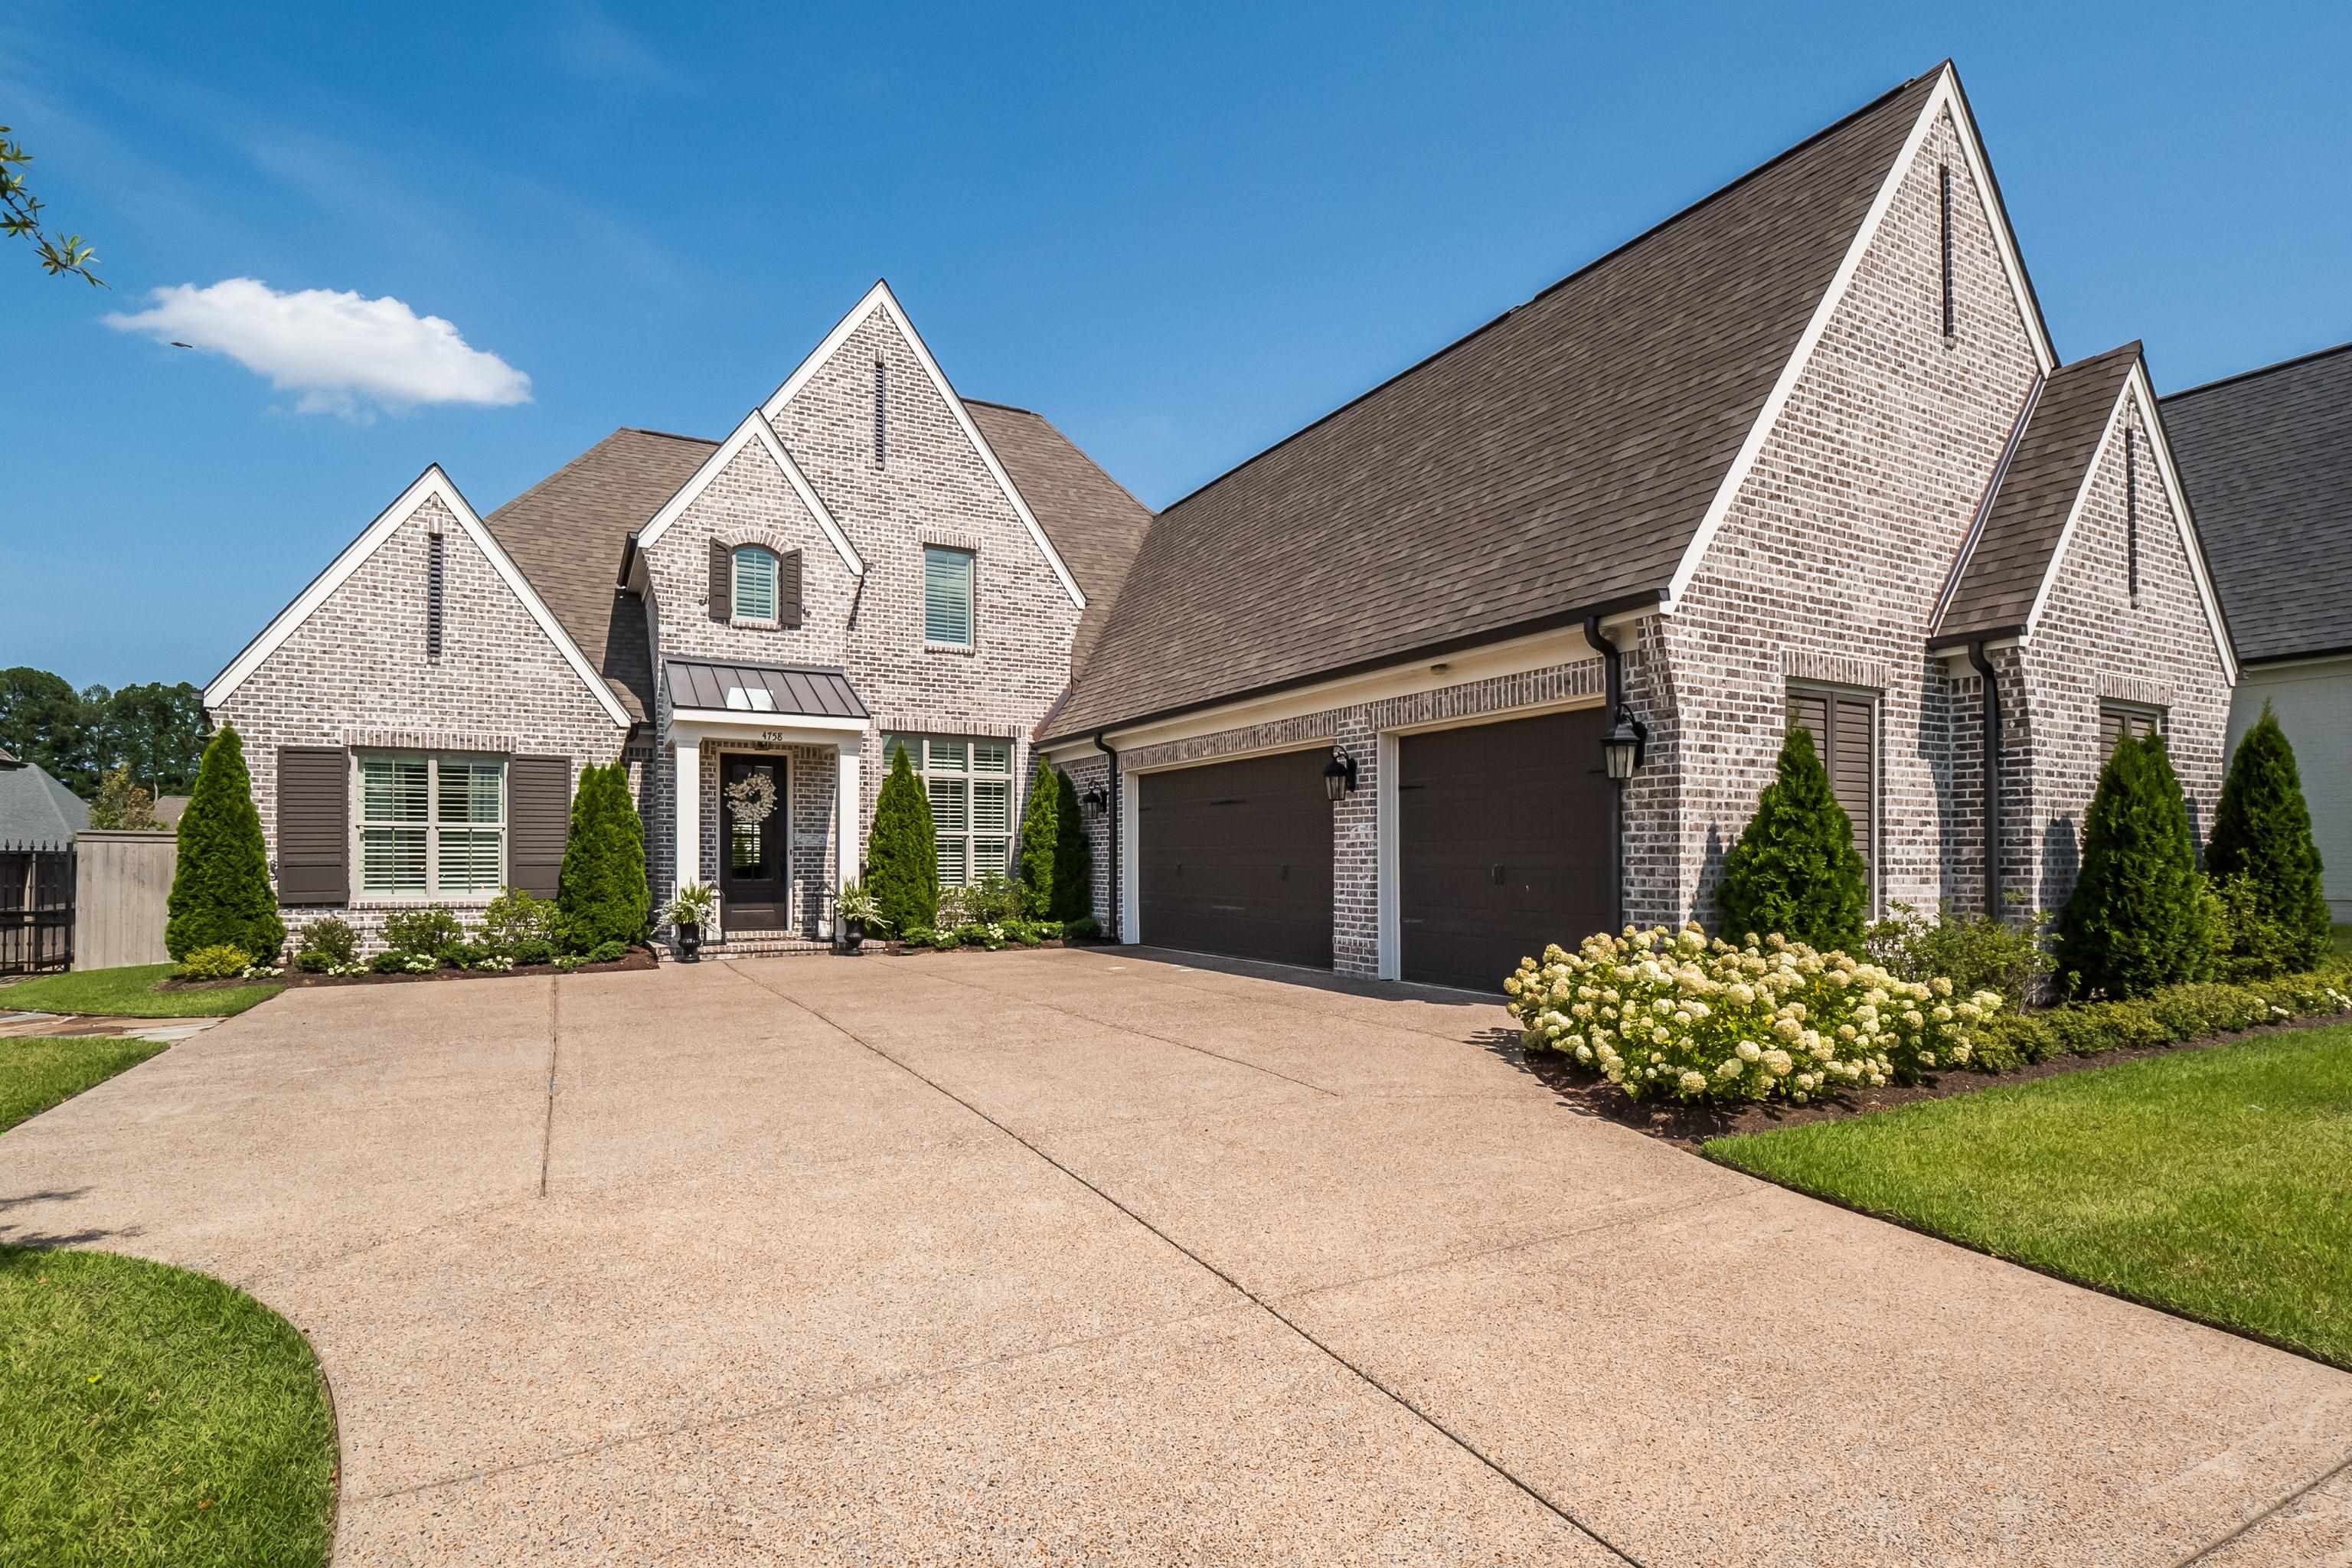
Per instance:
x=1560, y=458
x=787, y=691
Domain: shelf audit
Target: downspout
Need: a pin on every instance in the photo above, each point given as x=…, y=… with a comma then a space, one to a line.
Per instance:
x=1992, y=777
x=1110, y=811
x=1613, y=666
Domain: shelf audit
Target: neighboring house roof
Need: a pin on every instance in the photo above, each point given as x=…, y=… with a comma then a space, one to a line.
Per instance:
x=2033, y=496
x=566, y=532
x=2266, y=458
x=170, y=808
x=1092, y=519
x=7, y=761
x=37, y=811
x=1561, y=459
x=800, y=689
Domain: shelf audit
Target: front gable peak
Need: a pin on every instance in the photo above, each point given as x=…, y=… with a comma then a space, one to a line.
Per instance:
x=754, y=431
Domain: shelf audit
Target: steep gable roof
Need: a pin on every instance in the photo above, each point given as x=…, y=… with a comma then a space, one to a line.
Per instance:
x=2036, y=493
x=1092, y=519
x=1561, y=459
x=566, y=532
x=2266, y=458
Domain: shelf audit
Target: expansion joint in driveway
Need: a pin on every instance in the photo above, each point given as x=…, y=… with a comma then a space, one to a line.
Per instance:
x=547, y=1127
x=1557, y=1509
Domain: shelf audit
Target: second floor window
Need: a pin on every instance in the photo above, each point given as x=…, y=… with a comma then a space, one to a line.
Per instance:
x=947, y=596
x=755, y=583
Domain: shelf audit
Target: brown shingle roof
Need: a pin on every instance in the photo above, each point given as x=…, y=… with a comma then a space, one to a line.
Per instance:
x=2266, y=458
x=566, y=534
x=1559, y=458
x=1095, y=524
x=2004, y=573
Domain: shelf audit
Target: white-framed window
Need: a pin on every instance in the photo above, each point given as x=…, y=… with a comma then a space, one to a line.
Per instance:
x=755, y=583
x=430, y=826
x=970, y=784
x=946, y=595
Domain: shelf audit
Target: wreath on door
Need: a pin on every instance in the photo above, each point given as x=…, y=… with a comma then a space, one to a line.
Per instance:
x=751, y=799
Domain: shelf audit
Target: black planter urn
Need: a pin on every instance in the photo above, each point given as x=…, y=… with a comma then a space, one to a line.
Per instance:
x=688, y=943
x=853, y=935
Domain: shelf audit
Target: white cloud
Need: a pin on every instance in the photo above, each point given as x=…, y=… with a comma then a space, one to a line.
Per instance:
x=340, y=353
x=592, y=46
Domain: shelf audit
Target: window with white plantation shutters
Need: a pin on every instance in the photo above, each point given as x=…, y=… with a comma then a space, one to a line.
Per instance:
x=947, y=596
x=755, y=583
x=969, y=785
x=431, y=827
x=1844, y=727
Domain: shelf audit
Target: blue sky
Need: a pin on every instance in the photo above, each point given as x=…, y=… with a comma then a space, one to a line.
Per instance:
x=1180, y=234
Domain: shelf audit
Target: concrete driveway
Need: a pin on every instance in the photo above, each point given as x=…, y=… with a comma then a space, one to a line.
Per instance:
x=1059, y=1258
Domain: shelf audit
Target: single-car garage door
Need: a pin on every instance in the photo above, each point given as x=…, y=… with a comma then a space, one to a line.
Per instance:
x=1502, y=844
x=1235, y=857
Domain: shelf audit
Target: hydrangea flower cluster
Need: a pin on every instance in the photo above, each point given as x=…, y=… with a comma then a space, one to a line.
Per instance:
x=1666, y=1013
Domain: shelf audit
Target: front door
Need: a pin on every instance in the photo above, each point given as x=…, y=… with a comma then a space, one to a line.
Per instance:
x=754, y=880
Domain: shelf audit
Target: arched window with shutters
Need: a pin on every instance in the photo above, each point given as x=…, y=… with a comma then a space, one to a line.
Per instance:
x=755, y=583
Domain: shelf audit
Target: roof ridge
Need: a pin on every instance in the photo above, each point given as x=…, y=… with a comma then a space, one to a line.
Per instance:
x=665, y=435
x=1664, y=224
x=1008, y=407
x=2259, y=370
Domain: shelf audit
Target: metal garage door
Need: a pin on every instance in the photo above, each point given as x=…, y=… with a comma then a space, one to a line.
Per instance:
x=1502, y=844
x=1235, y=857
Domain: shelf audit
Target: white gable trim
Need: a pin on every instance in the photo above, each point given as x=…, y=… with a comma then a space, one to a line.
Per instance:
x=1946, y=95
x=754, y=428
x=878, y=298
x=2135, y=392
x=431, y=482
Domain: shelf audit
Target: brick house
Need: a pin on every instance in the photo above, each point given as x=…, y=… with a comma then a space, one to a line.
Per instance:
x=867, y=561
x=1802, y=454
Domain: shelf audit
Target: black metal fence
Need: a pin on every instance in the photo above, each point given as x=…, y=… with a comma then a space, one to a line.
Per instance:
x=36, y=909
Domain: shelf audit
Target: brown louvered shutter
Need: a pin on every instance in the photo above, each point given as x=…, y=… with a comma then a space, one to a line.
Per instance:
x=1845, y=732
x=539, y=820
x=2111, y=732
x=722, y=581
x=314, y=841
x=788, y=589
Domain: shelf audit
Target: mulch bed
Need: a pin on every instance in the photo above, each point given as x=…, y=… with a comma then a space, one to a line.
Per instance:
x=1690, y=1126
x=637, y=958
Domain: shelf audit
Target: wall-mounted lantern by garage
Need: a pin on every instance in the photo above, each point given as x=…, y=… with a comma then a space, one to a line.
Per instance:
x=1338, y=775
x=1095, y=803
x=1625, y=745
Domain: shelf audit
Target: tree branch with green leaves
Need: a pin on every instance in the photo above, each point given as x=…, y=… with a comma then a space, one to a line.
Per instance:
x=20, y=218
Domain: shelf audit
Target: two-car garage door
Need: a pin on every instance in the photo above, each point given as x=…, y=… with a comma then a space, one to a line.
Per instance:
x=1502, y=837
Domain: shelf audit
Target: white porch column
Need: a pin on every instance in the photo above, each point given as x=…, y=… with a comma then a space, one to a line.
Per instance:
x=845, y=803
x=686, y=807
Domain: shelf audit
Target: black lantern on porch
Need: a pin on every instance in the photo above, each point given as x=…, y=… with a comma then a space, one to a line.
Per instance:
x=1095, y=803
x=1338, y=775
x=1623, y=746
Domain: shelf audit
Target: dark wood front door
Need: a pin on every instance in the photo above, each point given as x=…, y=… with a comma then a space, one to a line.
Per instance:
x=1235, y=857
x=753, y=878
x=1502, y=846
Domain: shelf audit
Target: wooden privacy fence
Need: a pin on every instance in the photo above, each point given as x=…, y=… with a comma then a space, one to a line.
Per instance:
x=36, y=909
x=124, y=882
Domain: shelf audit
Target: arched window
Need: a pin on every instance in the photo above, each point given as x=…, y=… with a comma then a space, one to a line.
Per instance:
x=755, y=583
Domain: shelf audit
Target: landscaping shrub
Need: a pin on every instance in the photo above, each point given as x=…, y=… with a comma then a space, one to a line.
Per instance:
x=994, y=900
x=398, y=962
x=465, y=954
x=1795, y=871
x=431, y=930
x=1086, y=928
x=2245, y=939
x=2138, y=918
x=1666, y=1015
x=902, y=868
x=2262, y=834
x=601, y=893
x=516, y=916
x=220, y=962
x=2165, y=1016
x=1074, y=865
x=1041, y=838
x=1974, y=952
x=608, y=951
x=534, y=949
x=220, y=895
x=331, y=939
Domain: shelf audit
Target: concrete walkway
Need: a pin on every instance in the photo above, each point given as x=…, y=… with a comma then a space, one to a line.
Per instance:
x=82, y=1025
x=1057, y=1257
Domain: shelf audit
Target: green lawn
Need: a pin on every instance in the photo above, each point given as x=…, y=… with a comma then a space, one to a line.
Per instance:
x=131, y=994
x=2213, y=1182
x=153, y=1415
x=36, y=1074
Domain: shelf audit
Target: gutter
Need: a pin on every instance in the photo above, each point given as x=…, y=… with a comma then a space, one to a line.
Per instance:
x=1614, y=668
x=1110, y=811
x=1992, y=777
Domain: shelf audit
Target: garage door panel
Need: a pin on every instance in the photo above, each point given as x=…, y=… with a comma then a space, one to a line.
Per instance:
x=1235, y=857
x=1503, y=845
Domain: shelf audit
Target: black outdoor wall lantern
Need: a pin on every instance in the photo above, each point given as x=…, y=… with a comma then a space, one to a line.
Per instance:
x=1623, y=746
x=1096, y=802
x=1338, y=775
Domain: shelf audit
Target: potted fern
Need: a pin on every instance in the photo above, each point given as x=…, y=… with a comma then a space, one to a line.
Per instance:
x=696, y=906
x=855, y=911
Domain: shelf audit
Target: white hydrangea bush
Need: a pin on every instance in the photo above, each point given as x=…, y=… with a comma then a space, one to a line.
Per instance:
x=1667, y=1015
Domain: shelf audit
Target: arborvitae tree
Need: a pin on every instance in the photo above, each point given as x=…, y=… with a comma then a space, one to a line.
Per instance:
x=1074, y=865
x=220, y=890
x=602, y=892
x=1795, y=871
x=2263, y=831
x=1040, y=839
x=2137, y=920
x=902, y=858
